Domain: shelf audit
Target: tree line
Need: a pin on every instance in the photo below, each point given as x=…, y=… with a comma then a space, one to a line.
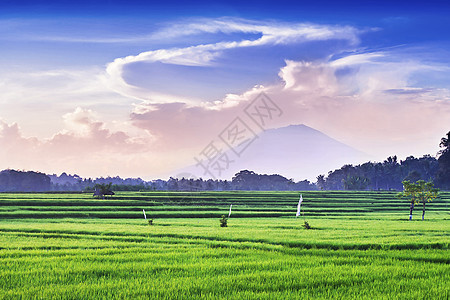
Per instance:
x=390, y=174
x=20, y=181
x=386, y=175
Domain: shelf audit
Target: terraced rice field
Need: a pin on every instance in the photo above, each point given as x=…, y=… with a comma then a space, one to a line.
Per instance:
x=129, y=205
x=73, y=246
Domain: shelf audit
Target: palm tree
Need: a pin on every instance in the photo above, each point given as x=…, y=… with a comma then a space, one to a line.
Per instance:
x=442, y=177
x=445, y=143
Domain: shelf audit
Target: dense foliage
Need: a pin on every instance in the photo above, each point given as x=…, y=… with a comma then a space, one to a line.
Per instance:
x=387, y=175
x=368, y=176
x=443, y=174
x=17, y=181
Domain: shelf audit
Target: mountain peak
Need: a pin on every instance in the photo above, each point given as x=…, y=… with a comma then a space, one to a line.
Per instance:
x=293, y=128
x=296, y=151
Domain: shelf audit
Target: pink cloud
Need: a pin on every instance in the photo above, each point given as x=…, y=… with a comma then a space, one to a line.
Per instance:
x=355, y=107
x=362, y=102
x=90, y=146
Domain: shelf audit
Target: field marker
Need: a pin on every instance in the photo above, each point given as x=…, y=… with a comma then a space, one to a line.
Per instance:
x=298, y=206
x=145, y=217
x=229, y=214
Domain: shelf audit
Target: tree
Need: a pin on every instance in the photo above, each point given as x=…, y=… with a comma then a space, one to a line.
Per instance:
x=249, y=180
x=356, y=183
x=20, y=181
x=243, y=180
x=102, y=189
x=413, y=176
x=443, y=174
x=419, y=192
x=445, y=143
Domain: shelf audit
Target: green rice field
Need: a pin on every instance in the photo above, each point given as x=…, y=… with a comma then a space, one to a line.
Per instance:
x=74, y=246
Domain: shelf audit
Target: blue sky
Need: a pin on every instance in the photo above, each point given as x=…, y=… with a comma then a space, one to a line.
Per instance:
x=136, y=75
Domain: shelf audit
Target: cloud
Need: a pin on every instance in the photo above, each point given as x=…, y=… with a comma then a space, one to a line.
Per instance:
x=96, y=123
x=37, y=99
x=85, y=134
x=357, y=59
x=270, y=31
x=409, y=91
x=11, y=138
x=89, y=31
x=361, y=100
x=205, y=55
x=82, y=145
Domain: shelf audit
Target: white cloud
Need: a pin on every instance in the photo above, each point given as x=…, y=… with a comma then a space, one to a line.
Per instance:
x=357, y=59
x=38, y=99
x=269, y=33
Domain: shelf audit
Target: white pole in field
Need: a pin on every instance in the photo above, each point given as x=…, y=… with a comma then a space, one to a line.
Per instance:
x=298, y=206
x=145, y=217
x=229, y=214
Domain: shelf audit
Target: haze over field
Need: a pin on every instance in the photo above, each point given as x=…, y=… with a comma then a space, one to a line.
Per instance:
x=140, y=89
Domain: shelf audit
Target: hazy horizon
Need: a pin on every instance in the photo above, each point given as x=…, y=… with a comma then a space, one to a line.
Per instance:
x=138, y=89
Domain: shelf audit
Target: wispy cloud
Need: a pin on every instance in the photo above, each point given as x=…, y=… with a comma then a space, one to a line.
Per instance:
x=270, y=33
x=273, y=31
x=409, y=91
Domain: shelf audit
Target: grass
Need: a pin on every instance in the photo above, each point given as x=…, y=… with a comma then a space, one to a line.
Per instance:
x=128, y=205
x=355, y=251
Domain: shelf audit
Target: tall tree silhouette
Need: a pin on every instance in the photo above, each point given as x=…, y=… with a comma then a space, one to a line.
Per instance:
x=443, y=174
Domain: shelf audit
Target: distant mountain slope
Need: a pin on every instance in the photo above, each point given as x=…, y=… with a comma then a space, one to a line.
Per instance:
x=295, y=151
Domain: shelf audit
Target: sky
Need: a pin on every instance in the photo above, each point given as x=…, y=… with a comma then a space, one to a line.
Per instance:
x=140, y=89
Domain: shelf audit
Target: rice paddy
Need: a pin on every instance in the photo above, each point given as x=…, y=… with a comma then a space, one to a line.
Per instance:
x=73, y=246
